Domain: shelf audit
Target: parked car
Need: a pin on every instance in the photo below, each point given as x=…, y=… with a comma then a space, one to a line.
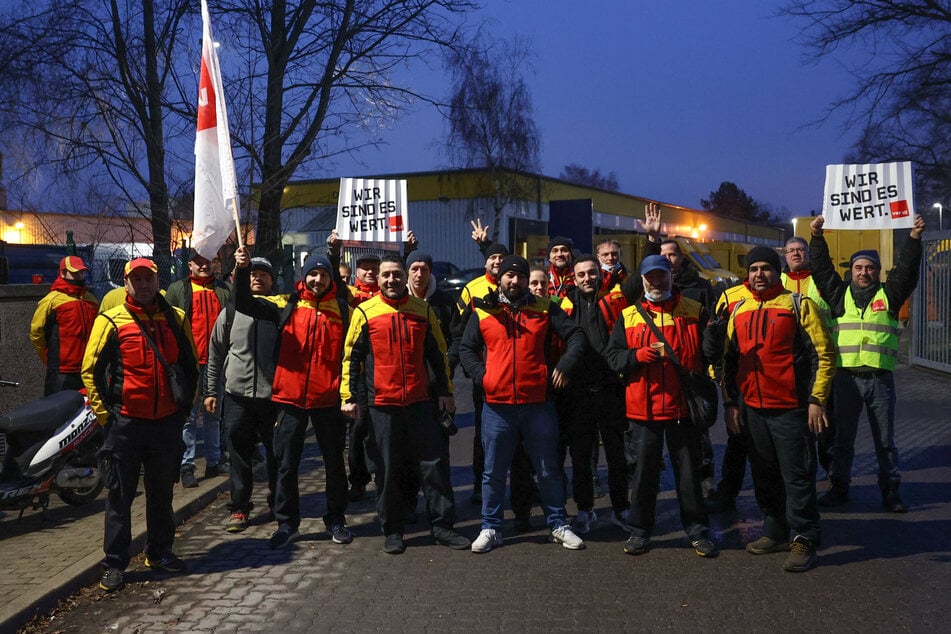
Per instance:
x=451, y=278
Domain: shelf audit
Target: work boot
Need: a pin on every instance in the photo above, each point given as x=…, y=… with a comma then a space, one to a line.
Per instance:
x=837, y=495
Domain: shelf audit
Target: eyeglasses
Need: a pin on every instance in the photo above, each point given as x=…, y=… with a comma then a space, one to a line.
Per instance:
x=795, y=250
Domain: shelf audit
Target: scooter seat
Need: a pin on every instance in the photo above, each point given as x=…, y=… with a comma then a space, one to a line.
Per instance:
x=42, y=415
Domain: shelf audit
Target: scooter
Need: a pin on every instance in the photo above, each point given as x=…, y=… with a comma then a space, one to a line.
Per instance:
x=49, y=445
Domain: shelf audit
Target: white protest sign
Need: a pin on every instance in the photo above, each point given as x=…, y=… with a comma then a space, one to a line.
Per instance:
x=871, y=196
x=370, y=210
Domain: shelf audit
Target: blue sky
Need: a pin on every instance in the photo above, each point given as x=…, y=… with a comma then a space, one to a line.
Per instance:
x=674, y=97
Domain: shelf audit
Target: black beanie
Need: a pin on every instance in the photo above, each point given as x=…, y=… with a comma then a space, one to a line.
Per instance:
x=514, y=263
x=560, y=241
x=419, y=256
x=764, y=254
x=496, y=249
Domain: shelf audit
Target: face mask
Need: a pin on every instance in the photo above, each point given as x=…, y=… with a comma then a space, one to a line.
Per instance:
x=657, y=297
x=611, y=269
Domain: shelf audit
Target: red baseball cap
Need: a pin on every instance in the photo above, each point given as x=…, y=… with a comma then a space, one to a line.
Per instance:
x=140, y=263
x=73, y=264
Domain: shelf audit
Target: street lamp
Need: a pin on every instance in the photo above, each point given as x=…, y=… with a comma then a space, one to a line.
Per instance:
x=940, y=215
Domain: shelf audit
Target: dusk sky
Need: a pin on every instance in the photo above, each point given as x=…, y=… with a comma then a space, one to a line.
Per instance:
x=674, y=97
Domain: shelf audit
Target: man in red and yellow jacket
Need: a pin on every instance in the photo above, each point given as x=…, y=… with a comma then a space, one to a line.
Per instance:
x=655, y=402
x=396, y=353
x=780, y=359
x=61, y=325
x=129, y=391
x=312, y=322
x=506, y=351
x=202, y=297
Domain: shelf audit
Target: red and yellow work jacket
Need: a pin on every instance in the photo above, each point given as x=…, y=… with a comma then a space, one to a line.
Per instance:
x=61, y=325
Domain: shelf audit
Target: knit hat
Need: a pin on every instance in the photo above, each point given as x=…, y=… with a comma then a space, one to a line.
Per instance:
x=496, y=249
x=514, y=263
x=654, y=263
x=315, y=261
x=263, y=264
x=764, y=254
x=560, y=241
x=419, y=256
x=867, y=254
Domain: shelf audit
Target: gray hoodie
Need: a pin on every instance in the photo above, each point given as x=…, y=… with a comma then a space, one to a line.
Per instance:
x=245, y=354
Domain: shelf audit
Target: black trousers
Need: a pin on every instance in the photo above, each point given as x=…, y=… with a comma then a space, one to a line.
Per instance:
x=578, y=435
x=409, y=437
x=783, y=459
x=59, y=381
x=330, y=428
x=249, y=421
x=134, y=444
x=357, y=464
x=683, y=445
x=609, y=411
x=733, y=469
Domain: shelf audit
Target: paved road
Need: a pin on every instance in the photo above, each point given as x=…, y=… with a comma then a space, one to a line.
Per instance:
x=877, y=572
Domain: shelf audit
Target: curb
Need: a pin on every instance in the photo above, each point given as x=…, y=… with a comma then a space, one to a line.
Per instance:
x=86, y=571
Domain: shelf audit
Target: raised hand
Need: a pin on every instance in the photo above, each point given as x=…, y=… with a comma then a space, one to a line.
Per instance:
x=480, y=233
x=652, y=219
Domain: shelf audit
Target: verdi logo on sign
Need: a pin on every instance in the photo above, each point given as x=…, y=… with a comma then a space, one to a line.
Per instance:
x=870, y=196
x=371, y=210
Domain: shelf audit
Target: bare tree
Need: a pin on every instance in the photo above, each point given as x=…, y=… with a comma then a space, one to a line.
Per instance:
x=903, y=89
x=319, y=73
x=490, y=119
x=96, y=95
x=581, y=175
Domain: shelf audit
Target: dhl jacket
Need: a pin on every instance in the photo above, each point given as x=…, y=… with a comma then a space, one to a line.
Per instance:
x=61, y=325
x=778, y=352
x=202, y=298
x=389, y=345
x=361, y=292
x=310, y=349
x=652, y=391
x=120, y=370
x=506, y=349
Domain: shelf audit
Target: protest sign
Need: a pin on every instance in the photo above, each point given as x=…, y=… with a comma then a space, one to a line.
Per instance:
x=370, y=210
x=871, y=196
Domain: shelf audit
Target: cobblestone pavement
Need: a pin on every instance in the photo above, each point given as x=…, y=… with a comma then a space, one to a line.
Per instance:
x=877, y=572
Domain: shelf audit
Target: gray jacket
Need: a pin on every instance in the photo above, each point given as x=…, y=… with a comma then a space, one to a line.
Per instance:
x=244, y=354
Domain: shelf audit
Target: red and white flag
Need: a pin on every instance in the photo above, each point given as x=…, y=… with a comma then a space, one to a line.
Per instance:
x=216, y=188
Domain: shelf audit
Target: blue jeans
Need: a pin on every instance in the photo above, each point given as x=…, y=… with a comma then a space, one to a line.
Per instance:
x=875, y=392
x=210, y=431
x=537, y=425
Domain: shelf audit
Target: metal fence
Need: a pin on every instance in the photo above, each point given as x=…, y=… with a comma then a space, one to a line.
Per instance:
x=931, y=306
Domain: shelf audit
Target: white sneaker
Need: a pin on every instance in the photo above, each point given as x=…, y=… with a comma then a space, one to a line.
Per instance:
x=488, y=539
x=563, y=535
x=621, y=519
x=583, y=521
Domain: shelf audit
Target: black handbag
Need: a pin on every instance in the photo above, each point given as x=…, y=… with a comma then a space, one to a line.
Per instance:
x=700, y=391
x=178, y=384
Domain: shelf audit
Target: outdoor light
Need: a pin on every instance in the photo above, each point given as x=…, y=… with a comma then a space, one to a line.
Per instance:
x=940, y=209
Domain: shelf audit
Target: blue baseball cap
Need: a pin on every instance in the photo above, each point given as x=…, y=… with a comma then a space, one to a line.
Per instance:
x=654, y=263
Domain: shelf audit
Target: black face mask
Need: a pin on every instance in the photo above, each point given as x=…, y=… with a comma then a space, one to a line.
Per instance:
x=76, y=283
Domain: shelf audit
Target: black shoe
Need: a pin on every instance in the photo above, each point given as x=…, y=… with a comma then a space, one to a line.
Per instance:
x=282, y=538
x=393, y=545
x=837, y=495
x=523, y=524
x=637, y=545
x=357, y=491
x=893, y=503
x=166, y=563
x=452, y=539
x=705, y=548
x=213, y=471
x=767, y=546
x=112, y=579
x=188, y=477
x=340, y=534
x=802, y=555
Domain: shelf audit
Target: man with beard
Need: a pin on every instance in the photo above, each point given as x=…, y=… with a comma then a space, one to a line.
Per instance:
x=312, y=322
x=560, y=258
x=779, y=359
x=395, y=351
x=505, y=349
x=61, y=325
x=592, y=402
x=655, y=402
x=866, y=337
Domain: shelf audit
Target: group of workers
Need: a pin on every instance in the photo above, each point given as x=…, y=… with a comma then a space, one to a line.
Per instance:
x=562, y=360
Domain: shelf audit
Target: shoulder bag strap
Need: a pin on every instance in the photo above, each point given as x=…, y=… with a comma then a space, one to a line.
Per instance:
x=148, y=340
x=660, y=337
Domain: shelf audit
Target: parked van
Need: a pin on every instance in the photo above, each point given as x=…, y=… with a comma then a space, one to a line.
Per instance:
x=707, y=265
x=732, y=255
